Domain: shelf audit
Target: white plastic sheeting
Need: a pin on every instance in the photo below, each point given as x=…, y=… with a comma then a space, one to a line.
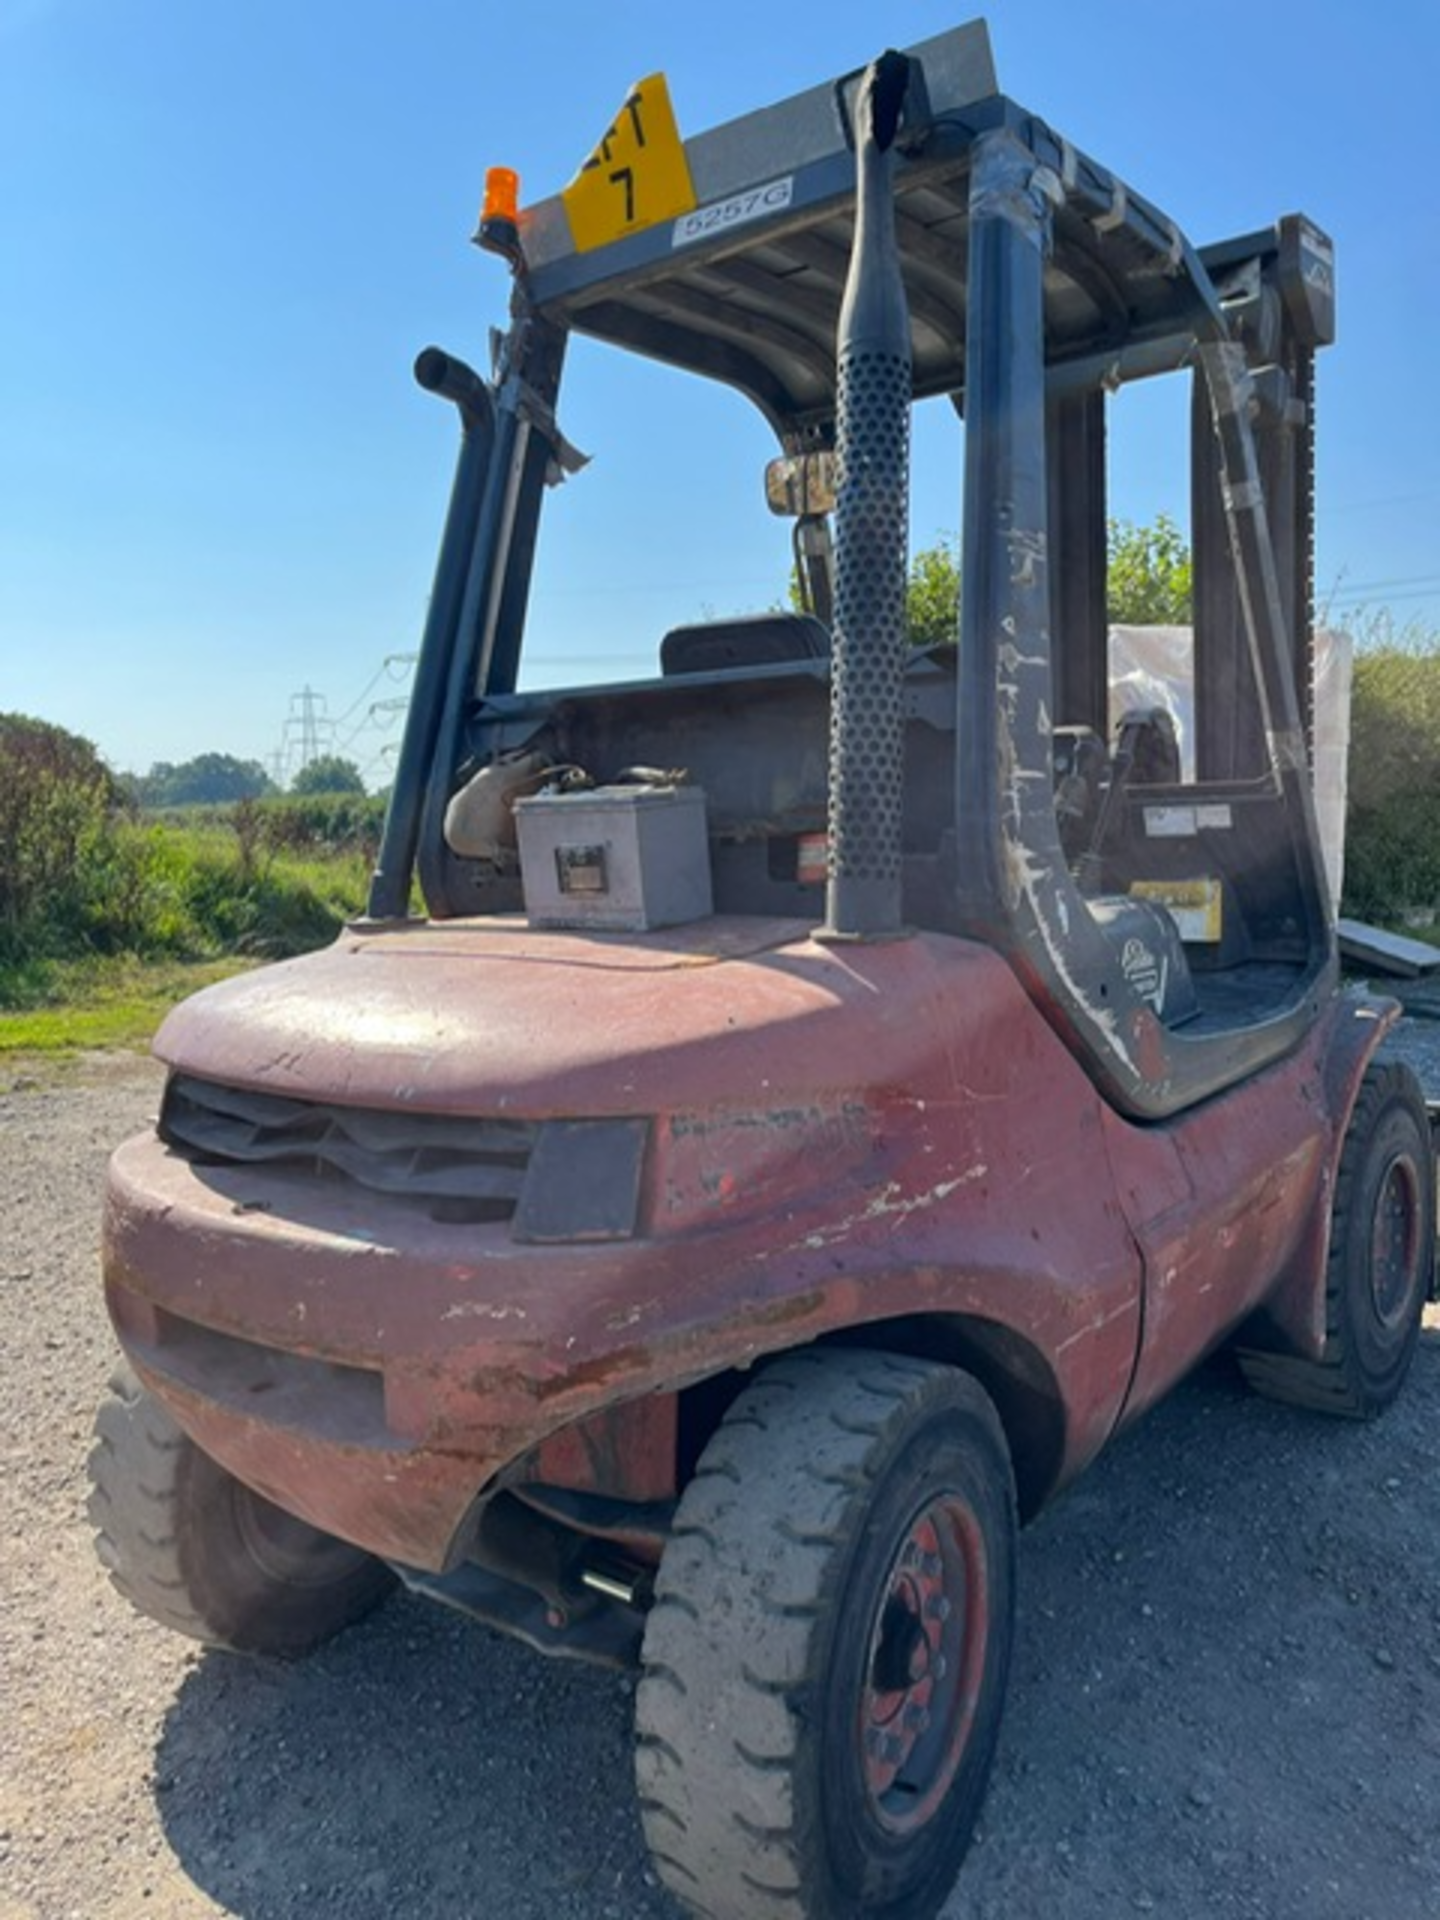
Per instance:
x=1154, y=667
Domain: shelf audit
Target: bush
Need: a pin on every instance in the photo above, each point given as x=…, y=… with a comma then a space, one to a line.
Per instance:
x=348, y=823
x=57, y=799
x=1392, y=844
x=81, y=875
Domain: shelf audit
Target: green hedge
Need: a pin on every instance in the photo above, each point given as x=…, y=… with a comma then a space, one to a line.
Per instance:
x=83, y=874
x=1392, y=836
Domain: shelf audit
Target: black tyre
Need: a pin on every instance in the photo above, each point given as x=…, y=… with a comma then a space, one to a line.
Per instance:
x=189, y=1545
x=825, y=1664
x=1381, y=1260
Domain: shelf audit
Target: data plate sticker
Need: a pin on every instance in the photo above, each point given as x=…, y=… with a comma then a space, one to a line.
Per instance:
x=756, y=203
x=1169, y=823
x=638, y=175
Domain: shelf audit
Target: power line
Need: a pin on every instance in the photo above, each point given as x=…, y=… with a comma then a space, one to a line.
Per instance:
x=1425, y=582
x=373, y=681
x=308, y=731
x=1346, y=603
x=1387, y=500
x=386, y=670
x=378, y=763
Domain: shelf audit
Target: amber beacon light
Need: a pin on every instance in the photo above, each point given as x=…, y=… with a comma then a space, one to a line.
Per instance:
x=500, y=213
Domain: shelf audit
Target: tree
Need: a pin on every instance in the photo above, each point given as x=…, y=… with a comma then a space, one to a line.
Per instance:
x=328, y=774
x=932, y=595
x=209, y=779
x=1149, y=580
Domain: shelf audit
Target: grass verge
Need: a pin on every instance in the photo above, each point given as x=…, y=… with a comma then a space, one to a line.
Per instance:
x=103, y=1003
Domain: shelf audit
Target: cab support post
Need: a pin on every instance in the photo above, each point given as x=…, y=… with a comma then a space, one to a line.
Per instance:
x=1005, y=607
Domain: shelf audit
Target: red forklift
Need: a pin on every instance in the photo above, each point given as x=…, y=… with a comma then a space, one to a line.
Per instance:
x=834, y=1084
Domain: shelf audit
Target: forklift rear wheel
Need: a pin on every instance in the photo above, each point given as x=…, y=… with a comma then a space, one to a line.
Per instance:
x=192, y=1547
x=1382, y=1249
x=824, y=1667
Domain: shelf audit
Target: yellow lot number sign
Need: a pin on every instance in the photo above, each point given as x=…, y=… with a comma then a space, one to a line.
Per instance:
x=637, y=175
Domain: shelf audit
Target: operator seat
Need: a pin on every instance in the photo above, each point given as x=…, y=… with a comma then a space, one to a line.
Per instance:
x=750, y=640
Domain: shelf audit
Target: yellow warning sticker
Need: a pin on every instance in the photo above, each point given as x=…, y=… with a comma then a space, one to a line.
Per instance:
x=1194, y=905
x=636, y=177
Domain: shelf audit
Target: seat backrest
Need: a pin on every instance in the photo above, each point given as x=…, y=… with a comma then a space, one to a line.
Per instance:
x=752, y=640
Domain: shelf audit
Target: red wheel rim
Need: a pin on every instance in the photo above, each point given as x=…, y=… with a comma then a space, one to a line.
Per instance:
x=1395, y=1241
x=924, y=1665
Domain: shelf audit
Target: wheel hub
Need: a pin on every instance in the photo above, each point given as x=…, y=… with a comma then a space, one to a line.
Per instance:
x=1394, y=1241
x=926, y=1654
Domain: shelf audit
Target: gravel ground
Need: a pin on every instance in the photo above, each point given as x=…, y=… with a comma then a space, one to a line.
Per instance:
x=1226, y=1699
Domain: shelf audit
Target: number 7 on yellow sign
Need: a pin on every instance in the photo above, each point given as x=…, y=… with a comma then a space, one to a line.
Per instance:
x=637, y=175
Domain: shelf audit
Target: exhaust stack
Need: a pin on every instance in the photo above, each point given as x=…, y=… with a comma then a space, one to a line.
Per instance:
x=863, y=892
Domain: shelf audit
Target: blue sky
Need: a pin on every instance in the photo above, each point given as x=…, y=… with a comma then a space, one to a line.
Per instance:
x=228, y=228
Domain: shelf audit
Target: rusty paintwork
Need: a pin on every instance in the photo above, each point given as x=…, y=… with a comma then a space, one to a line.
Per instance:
x=626, y=1452
x=839, y=1135
x=1212, y=1201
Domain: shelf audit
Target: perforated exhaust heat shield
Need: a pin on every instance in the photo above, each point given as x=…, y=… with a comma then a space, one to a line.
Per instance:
x=871, y=517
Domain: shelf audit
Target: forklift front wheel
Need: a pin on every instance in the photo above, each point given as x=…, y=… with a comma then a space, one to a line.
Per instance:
x=825, y=1664
x=189, y=1545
